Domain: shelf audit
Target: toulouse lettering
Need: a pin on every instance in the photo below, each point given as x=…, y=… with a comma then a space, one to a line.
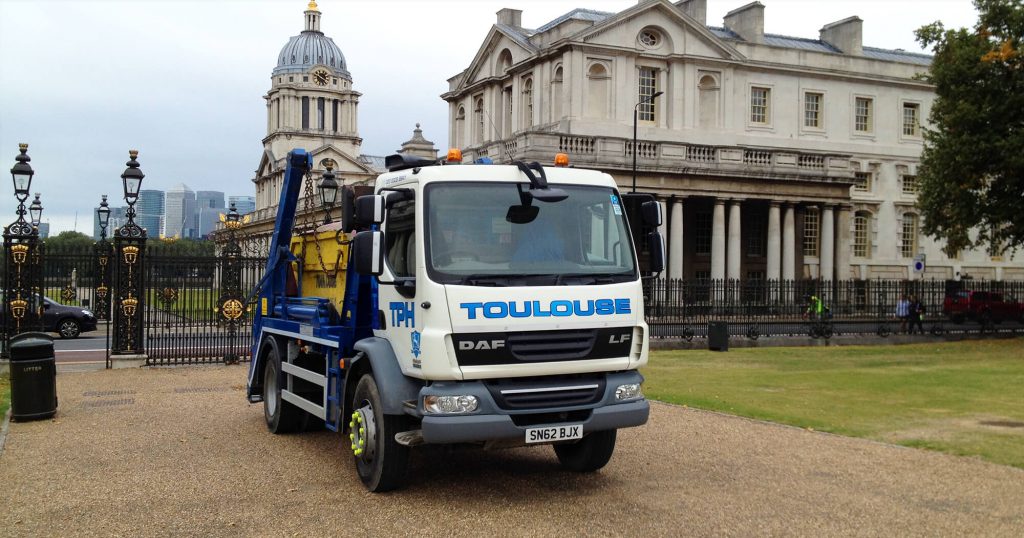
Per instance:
x=539, y=309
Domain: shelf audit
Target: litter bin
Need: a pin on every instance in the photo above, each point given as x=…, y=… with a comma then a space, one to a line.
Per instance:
x=33, y=377
x=718, y=336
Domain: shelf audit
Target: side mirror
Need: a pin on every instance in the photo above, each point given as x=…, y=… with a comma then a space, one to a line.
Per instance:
x=657, y=244
x=368, y=252
x=370, y=209
x=651, y=213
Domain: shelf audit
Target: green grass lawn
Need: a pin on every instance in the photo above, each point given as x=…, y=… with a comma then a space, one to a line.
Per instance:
x=5, y=395
x=965, y=398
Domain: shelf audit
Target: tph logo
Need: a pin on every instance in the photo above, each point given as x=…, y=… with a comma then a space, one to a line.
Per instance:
x=403, y=314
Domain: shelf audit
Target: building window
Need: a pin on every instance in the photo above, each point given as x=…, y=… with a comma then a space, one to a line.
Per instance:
x=334, y=115
x=598, y=91
x=478, y=120
x=648, y=86
x=862, y=181
x=528, y=102
x=320, y=112
x=702, y=233
x=909, y=184
x=556, y=94
x=911, y=119
x=759, y=103
x=908, y=237
x=812, y=223
x=506, y=118
x=305, y=112
x=812, y=109
x=649, y=38
x=861, y=247
x=460, y=125
x=863, y=116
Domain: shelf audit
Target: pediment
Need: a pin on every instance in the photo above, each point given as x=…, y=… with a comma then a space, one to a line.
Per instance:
x=344, y=163
x=484, y=64
x=683, y=35
x=268, y=164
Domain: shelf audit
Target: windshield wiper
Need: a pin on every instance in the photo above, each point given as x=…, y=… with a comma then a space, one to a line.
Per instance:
x=481, y=279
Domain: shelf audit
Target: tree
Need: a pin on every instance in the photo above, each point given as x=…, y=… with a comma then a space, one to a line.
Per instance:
x=68, y=242
x=971, y=176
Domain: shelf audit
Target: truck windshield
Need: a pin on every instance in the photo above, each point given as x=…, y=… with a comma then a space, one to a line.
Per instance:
x=471, y=240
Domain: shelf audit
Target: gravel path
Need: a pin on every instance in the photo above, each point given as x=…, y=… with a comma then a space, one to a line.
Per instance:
x=179, y=451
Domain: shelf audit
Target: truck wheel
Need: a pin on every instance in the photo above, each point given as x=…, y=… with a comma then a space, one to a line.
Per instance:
x=281, y=416
x=380, y=460
x=588, y=454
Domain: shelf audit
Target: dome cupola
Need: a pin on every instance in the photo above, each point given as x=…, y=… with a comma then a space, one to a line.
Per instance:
x=311, y=48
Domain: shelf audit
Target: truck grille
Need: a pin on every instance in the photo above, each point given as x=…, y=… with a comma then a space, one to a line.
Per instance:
x=538, y=393
x=551, y=345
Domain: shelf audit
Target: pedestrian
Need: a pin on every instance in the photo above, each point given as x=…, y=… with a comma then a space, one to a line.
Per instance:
x=903, y=312
x=916, y=314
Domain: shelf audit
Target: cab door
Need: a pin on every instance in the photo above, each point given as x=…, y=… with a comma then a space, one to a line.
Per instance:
x=397, y=290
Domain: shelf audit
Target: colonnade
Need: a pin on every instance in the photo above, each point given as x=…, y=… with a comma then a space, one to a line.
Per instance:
x=727, y=252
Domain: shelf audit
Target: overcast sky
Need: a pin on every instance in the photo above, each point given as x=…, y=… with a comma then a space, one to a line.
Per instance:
x=84, y=81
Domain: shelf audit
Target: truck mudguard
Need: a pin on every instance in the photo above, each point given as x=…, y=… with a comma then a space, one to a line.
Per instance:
x=394, y=387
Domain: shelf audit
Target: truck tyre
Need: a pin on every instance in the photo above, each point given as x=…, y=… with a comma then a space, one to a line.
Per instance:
x=281, y=416
x=380, y=460
x=588, y=454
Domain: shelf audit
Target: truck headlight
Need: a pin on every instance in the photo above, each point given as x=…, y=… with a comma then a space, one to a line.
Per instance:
x=450, y=404
x=628, y=391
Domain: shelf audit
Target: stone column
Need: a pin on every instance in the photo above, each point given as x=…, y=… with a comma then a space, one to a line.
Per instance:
x=718, y=241
x=675, y=256
x=774, y=242
x=843, y=248
x=827, y=256
x=789, y=244
x=735, y=239
x=663, y=230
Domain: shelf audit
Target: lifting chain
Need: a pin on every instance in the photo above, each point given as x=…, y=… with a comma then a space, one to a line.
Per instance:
x=311, y=225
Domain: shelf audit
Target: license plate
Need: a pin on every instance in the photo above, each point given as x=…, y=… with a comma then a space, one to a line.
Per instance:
x=554, y=433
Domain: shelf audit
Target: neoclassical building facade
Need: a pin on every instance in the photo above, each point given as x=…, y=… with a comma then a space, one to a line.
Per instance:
x=312, y=105
x=774, y=156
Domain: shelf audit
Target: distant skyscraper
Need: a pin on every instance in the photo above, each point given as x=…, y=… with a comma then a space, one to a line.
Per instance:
x=209, y=199
x=243, y=204
x=180, y=212
x=149, y=210
x=44, y=230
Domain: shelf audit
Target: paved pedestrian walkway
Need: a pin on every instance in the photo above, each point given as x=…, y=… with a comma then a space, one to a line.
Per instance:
x=178, y=451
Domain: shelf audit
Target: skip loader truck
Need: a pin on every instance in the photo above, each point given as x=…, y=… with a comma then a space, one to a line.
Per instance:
x=499, y=305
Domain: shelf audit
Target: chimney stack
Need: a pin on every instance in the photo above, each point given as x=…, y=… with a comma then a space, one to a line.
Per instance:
x=846, y=35
x=511, y=17
x=747, y=22
x=697, y=9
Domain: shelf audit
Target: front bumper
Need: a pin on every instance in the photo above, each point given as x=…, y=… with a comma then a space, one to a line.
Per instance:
x=491, y=422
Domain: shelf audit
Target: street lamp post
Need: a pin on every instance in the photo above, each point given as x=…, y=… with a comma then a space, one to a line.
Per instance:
x=644, y=100
x=23, y=270
x=328, y=191
x=103, y=263
x=130, y=250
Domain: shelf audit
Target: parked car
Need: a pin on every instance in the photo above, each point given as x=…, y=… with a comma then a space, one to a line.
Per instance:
x=981, y=306
x=67, y=321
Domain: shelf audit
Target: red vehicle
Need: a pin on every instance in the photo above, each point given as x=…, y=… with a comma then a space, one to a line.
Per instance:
x=981, y=306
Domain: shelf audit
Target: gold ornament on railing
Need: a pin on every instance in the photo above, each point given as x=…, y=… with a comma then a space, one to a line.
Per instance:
x=129, y=305
x=19, y=253
x=131, y=254
x=103, y=261
x=232, y=309
x=18, y=308
x=101, y=292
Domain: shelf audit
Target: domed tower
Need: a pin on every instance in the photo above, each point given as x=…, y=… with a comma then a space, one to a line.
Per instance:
x=310, y=105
